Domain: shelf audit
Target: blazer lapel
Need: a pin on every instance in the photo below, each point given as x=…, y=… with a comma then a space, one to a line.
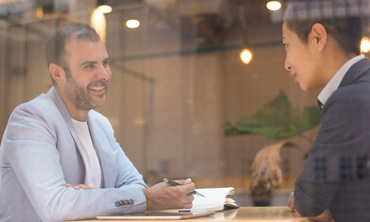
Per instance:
x=106, y=158
x=105, y=154
x=53, y=93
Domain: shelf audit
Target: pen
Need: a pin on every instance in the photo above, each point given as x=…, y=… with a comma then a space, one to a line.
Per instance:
x=173, y=183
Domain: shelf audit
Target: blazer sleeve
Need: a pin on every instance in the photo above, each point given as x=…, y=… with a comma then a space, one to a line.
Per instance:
x=30, y=148
x=342, y=142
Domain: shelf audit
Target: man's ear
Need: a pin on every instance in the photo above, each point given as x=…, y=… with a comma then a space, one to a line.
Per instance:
x=57, y=72
x=319, y=36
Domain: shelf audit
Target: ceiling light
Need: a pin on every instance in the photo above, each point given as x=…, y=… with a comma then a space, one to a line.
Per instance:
x=273, y=5
x=105, y=8
x=246, y=56
x=132, y=23
x=39, y=12
x=365, y=45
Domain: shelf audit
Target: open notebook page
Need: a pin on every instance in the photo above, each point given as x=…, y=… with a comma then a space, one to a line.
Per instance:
x=213, y=197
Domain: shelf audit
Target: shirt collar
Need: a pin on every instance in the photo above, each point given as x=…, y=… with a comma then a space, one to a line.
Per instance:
x=333, y=84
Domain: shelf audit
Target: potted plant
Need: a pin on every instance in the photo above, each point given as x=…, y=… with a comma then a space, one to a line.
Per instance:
x=276, y=120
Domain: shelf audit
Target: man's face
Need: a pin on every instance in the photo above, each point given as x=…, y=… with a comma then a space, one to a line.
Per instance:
x=87, y=74
x=301, y=60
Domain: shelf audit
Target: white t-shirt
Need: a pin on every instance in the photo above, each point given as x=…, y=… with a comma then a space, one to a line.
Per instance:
x=92, y=166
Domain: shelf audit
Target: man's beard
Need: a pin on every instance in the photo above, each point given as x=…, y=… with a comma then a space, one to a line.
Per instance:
x=80, y=97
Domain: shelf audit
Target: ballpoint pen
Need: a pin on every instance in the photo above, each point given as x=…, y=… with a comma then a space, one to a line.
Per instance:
x=173, y=183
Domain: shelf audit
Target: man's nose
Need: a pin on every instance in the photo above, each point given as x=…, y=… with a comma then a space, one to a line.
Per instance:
x=104, y=73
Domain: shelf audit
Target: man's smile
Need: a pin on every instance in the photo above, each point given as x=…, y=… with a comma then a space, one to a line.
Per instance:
x=97, y=88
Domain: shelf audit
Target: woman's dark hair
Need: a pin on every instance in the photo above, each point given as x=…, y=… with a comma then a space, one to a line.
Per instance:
x=345, y=28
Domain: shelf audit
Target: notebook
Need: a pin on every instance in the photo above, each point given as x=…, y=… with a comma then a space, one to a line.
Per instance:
x=214, y=200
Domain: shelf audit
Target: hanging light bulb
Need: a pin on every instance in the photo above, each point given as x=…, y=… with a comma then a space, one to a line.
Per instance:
x=365, y=45
x=39, y=12
x=273, y=5
x=132, y=23
x=246, y=56
x=105, y=9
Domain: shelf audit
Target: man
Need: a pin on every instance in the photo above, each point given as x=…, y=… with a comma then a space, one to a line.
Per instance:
x=59, y=159
x=324, y=50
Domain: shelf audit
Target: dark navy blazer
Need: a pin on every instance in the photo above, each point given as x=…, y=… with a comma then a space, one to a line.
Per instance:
x=336, y=172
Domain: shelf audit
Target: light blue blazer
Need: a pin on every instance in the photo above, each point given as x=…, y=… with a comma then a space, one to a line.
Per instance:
x=39, y=155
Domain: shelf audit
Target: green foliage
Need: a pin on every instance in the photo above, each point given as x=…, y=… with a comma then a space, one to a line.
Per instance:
x=276, y=120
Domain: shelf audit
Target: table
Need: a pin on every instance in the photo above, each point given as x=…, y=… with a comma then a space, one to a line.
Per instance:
x=250, y=214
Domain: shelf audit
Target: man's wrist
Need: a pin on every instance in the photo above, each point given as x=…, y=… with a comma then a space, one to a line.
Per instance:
x=147, y=197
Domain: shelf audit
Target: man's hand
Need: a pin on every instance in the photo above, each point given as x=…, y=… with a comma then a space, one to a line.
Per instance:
x=80, y=186
x=163, y=196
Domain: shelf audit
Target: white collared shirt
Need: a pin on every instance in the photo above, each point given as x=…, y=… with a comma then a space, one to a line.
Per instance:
x=92, y=165
x=333, y=84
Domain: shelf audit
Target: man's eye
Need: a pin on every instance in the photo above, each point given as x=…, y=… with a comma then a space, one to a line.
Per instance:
x=89, y=66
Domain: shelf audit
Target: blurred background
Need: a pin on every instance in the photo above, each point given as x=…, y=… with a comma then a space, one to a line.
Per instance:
x=177, y=78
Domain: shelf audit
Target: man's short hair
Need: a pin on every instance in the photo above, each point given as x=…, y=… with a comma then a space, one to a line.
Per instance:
x=55, y=46
x=340, y=18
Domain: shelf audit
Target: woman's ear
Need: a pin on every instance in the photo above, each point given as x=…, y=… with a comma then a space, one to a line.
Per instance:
x=319, y=36
x=57, y=72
